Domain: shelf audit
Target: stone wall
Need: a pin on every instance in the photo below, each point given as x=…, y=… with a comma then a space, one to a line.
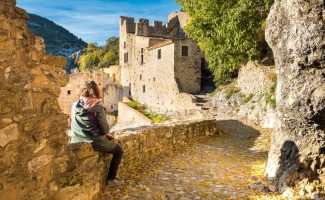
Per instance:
x=33, y=154
x=112, y=88
x=140, y=145
x=70, y=92
x=295, y=32
x=188, y=68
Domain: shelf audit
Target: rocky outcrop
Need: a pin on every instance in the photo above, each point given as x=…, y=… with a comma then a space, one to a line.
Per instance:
x=295, y=32
x=33, y=152
x=250, y=97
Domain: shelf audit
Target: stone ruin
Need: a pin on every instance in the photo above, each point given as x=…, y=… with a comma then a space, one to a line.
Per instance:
x=36, y=162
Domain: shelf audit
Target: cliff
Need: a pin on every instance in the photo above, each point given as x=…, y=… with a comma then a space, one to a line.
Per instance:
x=295, y=32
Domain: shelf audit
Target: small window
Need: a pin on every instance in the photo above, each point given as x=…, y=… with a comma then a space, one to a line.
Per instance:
x=124, y=45
x=142, y=50
x=114, y=78
x=69, y=92
x=184, y=50
x=159, y=54
x=154, y=79
x=112, y=107
x=108, y=75
x=140, y=77
x=141, y=59
x=144, y=89
x=126, y=57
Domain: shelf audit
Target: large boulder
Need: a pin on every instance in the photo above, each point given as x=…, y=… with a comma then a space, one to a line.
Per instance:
x=295, y=32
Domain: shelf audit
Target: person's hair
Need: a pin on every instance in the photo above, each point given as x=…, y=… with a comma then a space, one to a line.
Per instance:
x=90, y=89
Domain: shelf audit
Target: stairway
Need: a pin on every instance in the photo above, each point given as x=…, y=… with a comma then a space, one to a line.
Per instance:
x=203, y=101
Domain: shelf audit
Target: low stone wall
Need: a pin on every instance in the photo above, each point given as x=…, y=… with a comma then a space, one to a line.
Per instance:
x=88, y=168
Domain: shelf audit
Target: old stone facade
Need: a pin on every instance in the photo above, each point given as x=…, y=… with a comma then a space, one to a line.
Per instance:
x=159, y=63
x=108, y=80
x=296, y=34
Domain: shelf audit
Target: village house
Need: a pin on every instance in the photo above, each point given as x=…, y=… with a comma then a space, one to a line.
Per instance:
x=108, y=80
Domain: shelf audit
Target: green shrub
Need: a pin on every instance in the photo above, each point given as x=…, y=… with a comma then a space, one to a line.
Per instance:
x=270, y=97
x=136, y=105
x=155, y=117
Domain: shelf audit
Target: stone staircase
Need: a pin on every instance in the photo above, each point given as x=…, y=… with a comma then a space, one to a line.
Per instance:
x=203, y=101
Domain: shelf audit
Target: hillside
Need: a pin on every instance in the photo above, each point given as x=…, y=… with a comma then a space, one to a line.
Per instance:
x=58, y=40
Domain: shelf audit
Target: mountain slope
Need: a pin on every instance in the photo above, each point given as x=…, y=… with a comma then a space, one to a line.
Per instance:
x=58, y=40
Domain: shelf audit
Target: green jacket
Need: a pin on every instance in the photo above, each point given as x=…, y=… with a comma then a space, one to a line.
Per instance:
x=87, y=124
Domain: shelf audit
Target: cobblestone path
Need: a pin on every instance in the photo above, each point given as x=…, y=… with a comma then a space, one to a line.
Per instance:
x=225, y=166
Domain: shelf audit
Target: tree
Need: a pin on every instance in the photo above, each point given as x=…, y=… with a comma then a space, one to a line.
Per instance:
x=99, y=57
x=228, y=32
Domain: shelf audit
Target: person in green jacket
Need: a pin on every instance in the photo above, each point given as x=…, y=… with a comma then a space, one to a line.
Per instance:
x=88, y=124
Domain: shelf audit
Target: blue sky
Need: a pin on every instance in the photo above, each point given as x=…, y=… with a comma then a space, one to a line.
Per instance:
x=97, y=20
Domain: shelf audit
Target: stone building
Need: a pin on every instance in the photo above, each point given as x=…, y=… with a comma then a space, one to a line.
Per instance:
x=160, y=66
x=108, y=80
x=111, y=87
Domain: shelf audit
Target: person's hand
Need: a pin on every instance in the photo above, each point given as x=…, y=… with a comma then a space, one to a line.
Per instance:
x=110, y=136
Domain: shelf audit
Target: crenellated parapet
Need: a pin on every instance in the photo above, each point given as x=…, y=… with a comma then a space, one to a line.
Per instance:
x=173, y=29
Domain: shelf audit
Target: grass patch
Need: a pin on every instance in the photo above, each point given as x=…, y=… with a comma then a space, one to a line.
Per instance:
x=231, y=90
x=270, y=97
x=155, y=117
x=247, y=98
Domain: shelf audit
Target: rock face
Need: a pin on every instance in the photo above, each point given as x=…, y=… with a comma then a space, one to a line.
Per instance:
x=29, y=113
x=296, y=34
x=250, y=97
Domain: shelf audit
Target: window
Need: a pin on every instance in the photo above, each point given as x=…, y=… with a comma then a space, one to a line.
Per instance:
x=184, y=50
x=144, y=89
x=69, y=92
x=124, y=45
x=159, y=54
x=126, y=57
x=114, y=78
x=141, y=59
x=140, y=77
x=154, y=79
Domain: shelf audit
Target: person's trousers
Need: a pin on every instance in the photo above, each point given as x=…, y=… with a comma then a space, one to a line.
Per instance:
x=102, y=144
